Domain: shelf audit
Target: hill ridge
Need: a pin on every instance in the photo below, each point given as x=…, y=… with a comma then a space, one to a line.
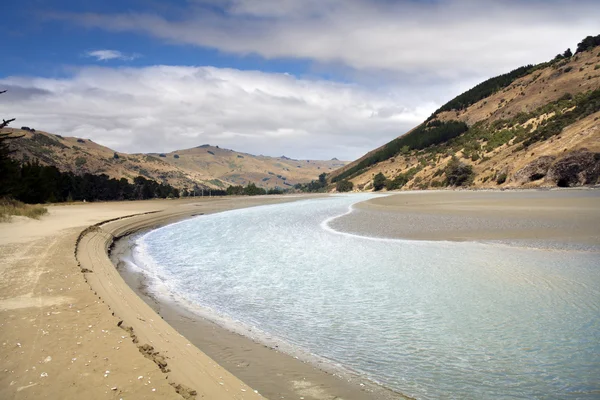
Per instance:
x=204, y=166
x=498, y=130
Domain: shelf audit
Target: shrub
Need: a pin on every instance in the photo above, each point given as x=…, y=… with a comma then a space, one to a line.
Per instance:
x=379, y=182
x=162, y=155
x=501, y=178
x=459, y=173
x=80, y=141
x=175, y=155
x=80, y=161
x=10, y=207
x=344, y=186
x=116, y=156
x=399, y=181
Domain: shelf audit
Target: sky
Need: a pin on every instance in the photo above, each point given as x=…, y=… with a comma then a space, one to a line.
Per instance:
x=308, y=79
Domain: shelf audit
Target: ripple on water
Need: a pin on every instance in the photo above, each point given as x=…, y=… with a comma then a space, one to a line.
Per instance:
x=430, y=319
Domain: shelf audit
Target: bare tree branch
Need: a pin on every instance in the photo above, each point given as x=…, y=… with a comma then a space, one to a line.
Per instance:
x=5, y=122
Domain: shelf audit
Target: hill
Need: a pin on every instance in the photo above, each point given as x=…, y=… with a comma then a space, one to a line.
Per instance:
x=203, y=166
x=535, y=126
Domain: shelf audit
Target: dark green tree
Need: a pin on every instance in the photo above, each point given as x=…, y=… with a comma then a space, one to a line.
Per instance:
x=323, y=179
x=588, y=43
x=235, y=190
x=568, y=53
x=379, y=181
x=252, y=190
x=458, y=173
x=344, y=186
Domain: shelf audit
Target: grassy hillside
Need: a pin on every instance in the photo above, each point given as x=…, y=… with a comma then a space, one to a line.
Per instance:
x=204, y=166
x=535, y=126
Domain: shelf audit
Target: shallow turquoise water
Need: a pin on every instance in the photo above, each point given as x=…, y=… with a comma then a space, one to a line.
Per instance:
x=430, y=319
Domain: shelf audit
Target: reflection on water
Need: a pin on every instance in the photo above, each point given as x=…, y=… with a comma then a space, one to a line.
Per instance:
x=430, y=319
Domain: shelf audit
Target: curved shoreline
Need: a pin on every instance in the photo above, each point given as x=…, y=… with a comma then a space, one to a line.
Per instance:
x=558, y=219
x=191, y=370
x=188, y=370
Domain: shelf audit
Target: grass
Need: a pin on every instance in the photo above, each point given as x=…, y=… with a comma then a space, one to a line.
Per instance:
x=10, y=207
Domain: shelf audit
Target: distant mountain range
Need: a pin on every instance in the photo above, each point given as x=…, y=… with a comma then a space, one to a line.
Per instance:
x=204, y=166
x=538, y=125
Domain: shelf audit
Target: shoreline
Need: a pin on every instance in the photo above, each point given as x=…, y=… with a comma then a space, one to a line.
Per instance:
x=275, y=373
x=60, y=336
x=264, y=367
x=277, y=369
x=563, y=219
x=67, y=328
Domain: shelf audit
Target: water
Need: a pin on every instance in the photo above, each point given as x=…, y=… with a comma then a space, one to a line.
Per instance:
x=429, y=319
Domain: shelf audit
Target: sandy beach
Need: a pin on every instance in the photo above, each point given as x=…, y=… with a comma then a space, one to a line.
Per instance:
x=72, y=327
x=60, y=335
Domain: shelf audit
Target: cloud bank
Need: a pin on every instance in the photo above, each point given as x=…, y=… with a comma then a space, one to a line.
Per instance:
x=447, y=38
x=164, y=108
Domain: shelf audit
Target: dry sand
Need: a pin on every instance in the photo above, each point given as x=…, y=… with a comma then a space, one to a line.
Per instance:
x=60, y=339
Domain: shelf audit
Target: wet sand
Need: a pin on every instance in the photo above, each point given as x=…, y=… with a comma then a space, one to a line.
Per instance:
x=560, y=219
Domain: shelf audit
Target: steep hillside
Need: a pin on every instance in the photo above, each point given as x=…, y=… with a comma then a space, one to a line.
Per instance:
x=535, y=126
x=204, y=166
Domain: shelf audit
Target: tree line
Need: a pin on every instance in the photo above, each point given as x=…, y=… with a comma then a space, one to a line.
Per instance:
x=483, y=90
x=251, y=190
x=31, y=182
x=34, y=183
x=419, y=138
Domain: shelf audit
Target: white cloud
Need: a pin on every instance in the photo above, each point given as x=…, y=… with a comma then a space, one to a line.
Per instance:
x=105, y=55
x=448, y=38
x=163, y=108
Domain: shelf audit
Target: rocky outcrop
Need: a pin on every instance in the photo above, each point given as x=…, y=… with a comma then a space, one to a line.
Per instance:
x=580, y=167
x=535, y=170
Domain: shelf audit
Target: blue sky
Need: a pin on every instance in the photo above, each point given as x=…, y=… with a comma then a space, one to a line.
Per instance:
x=41, y=41
x=308, y=79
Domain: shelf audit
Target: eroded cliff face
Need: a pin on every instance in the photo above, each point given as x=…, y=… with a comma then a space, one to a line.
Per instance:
x=577, y=168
